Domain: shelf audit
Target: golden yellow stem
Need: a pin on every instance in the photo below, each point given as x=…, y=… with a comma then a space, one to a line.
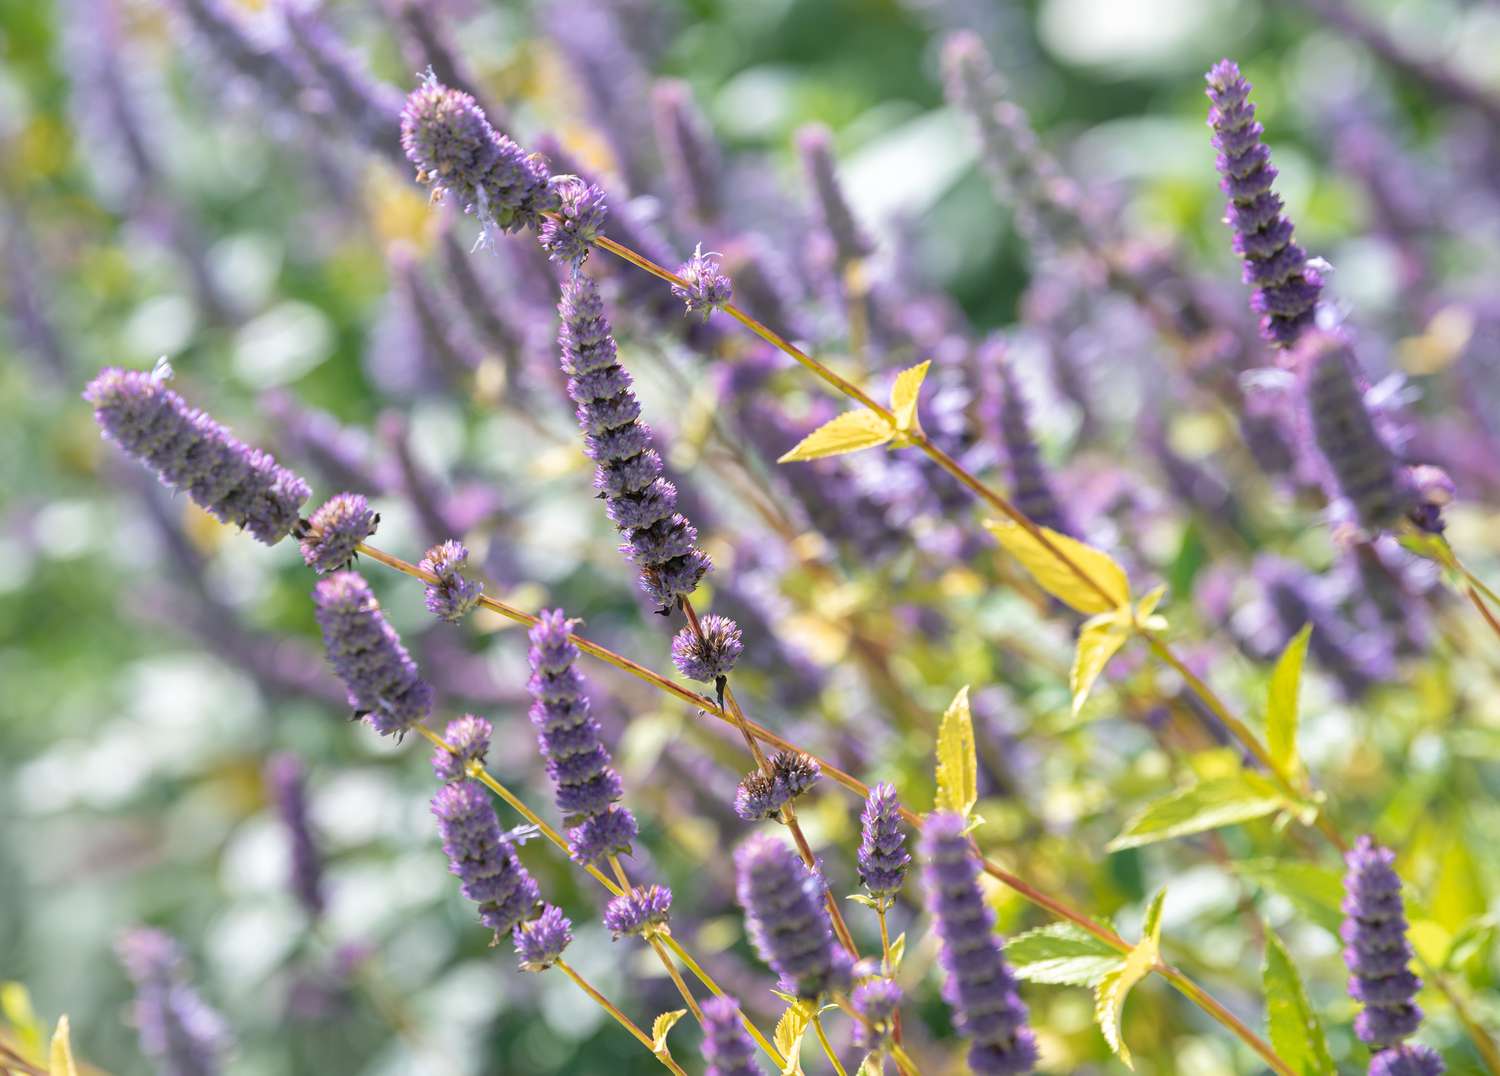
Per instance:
x=626, y=1022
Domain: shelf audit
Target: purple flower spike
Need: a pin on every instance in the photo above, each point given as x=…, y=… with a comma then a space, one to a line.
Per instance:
x=483, y=859
x=726, y=1047
x=1286, y=287
x=383, y=683
x=178, y=1031
x=883, y=858
x=1375, y=947
x=468, y=740
x=1407, y=1061
x=706, y=289
x=848, y=240
x=642, y=504
x=758, y=797
x=643, y=910
x=787, y=921
x=191, y=452
x=579, y=220
x=608, y=834
x=977, y=982
x=286, y=784
x=876, y=1000
x=541, y=942
x=688, y=153
x=452, y=596
x=334, y=530
x=458, y=153
x=712, y=655
x=1031, y=485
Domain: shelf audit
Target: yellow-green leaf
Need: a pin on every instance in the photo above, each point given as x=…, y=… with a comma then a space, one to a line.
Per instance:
x=898, y=950
x=904, y=395
x=1055, y=577
x=1061, y=954
x=788, y=1036
x=872, y=1065
x=1281, y=704
x=1114, y=988
x=1097, y=643
x=15, y=1006
x=663, y=1024
x=60, y=1056
x=957, y=759
x=849, y=432
x=1291, y=1023
x=1218, y=801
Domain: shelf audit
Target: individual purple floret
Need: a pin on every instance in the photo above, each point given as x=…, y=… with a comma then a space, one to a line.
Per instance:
x=976, y=980
x=641, y=503
x=541, y=942
x=704, y=288
x=726, y=1047
x=286, y=783
x=1375, y=947
x=482, y=858
x=578, y=221
x=178, y=1031
x=712, y=654
x=643, y=909
x=786, y=919
x=876, y=1000
x=383, y=683
x=1407, y=1060
x=468, y=740
x=457, y=152
x=335, y=530
x=848, y=241
x=688, y=153
x=883, y=858
x=452, y=596
x=191, y=452
x=1286, y=287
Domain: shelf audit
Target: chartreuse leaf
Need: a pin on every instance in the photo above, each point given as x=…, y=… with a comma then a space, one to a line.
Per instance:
x=1472, y=939
x=1315, y=891
x=1055, y=577
x=1291, y=1023
x=663, y=1024
x=1218, y=801
x=848, y=432
x=1062, y=954
x=1098, y=641
x=957, y=760
x=1281, y=703
x=904, y=395
x=15, y=1006
x=898, y=950
x=872, y=1065
x=1114, y=988
x=60, y=1056
x=788, y=1035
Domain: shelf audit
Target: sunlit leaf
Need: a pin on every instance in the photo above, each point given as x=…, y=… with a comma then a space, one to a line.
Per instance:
x=788, y=1036
x=898, y=950
x=15, y=1006
x=1063, y=954
x=1114, y=988
x=1281, y=705
x=848, y=432
x=60, y=1056
x=904, y=394
x=663, y=1024
x=1220, y=801
x=1315, y=891
x=1055, y=577
x=1291, y=1023
x=1097, y=643
x=957, y=760
x=871, y=1065
x=1473, y=939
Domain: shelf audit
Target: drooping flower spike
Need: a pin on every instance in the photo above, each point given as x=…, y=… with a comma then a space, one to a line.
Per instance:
x=726, y=1047
x=332, y=533
x=787, y=920
x=383, y=683
x=482, y=858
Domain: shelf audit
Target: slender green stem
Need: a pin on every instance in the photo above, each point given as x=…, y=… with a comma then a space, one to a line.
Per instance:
x=817, y=1023
x=682, y=987
x=626, y=1022
x=718, y=991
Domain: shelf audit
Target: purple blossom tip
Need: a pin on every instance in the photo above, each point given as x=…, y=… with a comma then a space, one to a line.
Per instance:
x=977, y=982
x=1431, y=490
x=335, y=530
x=468, y=740
x=711, y=654
x=481, y=857
x=883, y=859
x=643, y=910
x=726, y=1046
x=383, y=683
x=452, y=596
x=540, y=942
x=192, y=453
x=704, y=288
x=787, y=920
x=762, y=795
x=1408, y=1060
x=178, y=1031
x=577, y=222
x=876, y=1000
x=1376, y=949
x=611, y=833
x=286, y=783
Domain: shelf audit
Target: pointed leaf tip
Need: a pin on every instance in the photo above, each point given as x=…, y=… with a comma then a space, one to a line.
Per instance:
x=848, y=432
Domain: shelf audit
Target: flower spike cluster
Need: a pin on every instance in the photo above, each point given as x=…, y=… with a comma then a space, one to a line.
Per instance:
x=286, y=784
x=540, y=943
x=578, y=221
x=707, y=289
x=643, y=909
x=191, y=452
x=763, y=793
x=335, y=530
x=883, y=858
x=466, y=740
x=787, y=920
x=177, y=1029
x=726, y=1047
x=383, y=683
x=482, y=857
x=452, y=596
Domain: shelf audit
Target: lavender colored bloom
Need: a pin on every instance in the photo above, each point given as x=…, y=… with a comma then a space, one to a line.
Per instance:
x=334, y=530
x=1430, y=490
x=457, y=152
x=452, y=596
x=286, y=783
x=383, y=683
x=786, y=919
x=609, y=833
x=794, y=773
x=1031, y=486
x=706, y=288
x=758, y=797
x=876, y=1000
x=849, y=242
x=1407, y=1060
x=641, y=503
x=541, y=942
x=191, y=452
x=1376, y=949
x=883, y=858
x=1286, y=287
x=468, y=740
x=579, y=220
x=726, y=1047
x=482, y=857
x=687, y=151
x=641, y=911
x=178, y=1031
x=370, y=108
x=712, y=654
x=340, y=455
x=1357, y=660
x=977, y=982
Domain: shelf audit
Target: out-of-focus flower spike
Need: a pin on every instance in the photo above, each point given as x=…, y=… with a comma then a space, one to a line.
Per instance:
x=178, y=1031
x=1010, y=417
x=688, y=152
x=1356, y=660
x=445, y=342
x=849, y=241
x=726, y=1046
x=287, y=784
x=369, y=107
x=343, y=456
